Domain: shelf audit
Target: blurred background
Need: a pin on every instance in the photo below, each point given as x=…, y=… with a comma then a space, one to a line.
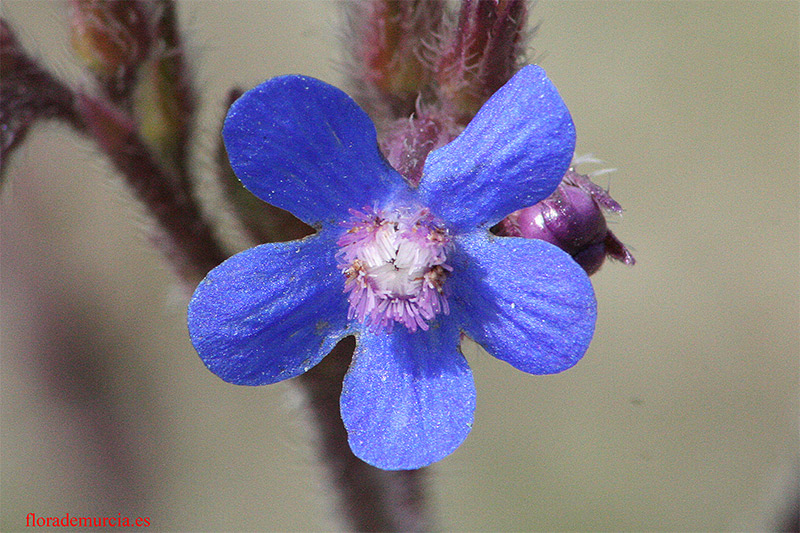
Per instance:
x=682, y=416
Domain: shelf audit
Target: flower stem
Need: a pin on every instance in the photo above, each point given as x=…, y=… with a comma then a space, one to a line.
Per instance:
x=29, y=94
x=182, y=235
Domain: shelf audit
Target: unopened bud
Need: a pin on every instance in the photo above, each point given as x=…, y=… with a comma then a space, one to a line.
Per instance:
x=390, y=52
x=572, y=218
x=110, y=36
x=481, y=53
x=163, y=106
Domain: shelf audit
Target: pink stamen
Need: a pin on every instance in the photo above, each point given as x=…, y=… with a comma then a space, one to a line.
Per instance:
x=394, y=266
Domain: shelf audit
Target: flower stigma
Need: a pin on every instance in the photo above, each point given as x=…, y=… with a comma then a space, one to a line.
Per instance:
x=394, y=266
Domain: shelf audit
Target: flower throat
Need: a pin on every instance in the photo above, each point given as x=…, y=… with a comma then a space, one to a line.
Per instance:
x=394, y=267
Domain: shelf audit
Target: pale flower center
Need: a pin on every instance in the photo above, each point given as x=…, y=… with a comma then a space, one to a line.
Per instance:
x=394, y=267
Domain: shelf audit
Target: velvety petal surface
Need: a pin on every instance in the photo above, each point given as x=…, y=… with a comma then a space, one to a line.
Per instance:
x=305, y=146
x=271, y=312
x=511, y=155
x=524, y=300
x=408, y=399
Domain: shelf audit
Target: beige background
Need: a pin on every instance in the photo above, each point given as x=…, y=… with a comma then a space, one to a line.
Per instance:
x=682, y=416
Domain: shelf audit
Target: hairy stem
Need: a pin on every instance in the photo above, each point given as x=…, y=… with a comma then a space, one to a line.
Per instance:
x=29, y=93
x=183, y=235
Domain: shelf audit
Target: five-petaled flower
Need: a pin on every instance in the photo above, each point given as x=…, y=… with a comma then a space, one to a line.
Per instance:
x=405, y=269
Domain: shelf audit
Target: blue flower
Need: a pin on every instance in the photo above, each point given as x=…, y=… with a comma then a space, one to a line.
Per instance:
x=406, y=270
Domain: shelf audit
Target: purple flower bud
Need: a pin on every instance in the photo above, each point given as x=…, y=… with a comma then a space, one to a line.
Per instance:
x=572, y=218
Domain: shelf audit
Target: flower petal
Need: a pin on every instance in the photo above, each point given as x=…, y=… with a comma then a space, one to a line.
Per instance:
x=511, y=155
x=305, y=146
x=524, y=300
x=408, y=399
x=270, y=312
